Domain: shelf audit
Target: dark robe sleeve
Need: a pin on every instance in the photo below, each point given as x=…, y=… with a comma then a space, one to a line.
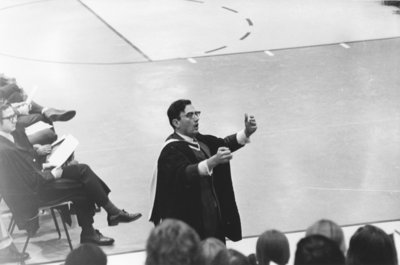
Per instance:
x=177, y=176
x=214, y=142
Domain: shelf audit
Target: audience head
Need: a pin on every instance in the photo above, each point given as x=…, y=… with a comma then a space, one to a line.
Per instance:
x=3, y=107
x=318, y=250
x=5, y=80
x=329, y=229
x=209, y=248
x=172, y=242
x=86, y=254
x=8, y=118
x=272, y=245
x=175, y=109
x=230, y=257
x=370, y=245
x=12, y=93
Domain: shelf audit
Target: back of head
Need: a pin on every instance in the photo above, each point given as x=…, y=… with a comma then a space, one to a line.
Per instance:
x=210, y=247
x=318, y=250
x=11, y=93
x=86, y=254
x=230, y=257
x=328, y=229
x=272, y=245
x=172, y=242
x=4, y=80
x=370, y=245
x=176, y=108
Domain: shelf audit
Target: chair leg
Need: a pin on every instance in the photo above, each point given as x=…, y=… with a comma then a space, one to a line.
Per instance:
x=66, y=230
x=26, y=243
x=55, y=222
x=11, y=225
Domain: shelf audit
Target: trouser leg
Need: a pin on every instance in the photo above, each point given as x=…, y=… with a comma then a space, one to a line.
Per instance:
x=95, y=188
x=27, y=120
x=36, y=108
x=85, y=211
x=84, y=206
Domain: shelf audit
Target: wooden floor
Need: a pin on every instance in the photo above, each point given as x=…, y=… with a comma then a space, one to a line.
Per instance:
x=321, y=77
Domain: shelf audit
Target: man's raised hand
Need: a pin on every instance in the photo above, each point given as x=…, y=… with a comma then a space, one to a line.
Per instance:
x=250, y=124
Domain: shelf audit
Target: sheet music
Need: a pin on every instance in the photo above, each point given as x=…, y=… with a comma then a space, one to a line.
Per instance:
x=62, y=150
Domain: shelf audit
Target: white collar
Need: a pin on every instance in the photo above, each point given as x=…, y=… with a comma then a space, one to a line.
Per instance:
x=193, y=143
x=186, y=138
x=7, y=136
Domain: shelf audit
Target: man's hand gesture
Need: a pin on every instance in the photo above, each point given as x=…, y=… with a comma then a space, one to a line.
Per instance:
x=250, y=124
x=222, y=156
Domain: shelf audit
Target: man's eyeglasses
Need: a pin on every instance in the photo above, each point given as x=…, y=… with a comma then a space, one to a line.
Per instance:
x=191, y=114
x=11, y=117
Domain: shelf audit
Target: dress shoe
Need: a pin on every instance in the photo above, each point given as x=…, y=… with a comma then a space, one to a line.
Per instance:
x=122, y=217
x=59, y=115
x=97, y=238
x=11, y=254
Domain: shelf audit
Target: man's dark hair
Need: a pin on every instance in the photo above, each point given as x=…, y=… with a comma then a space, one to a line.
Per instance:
x=172, y=242
x=175, y=109
x=272, y=245
x=370, y=245
x=86, y=254
x=318, y=250
x=3, y=107
x=12, y=93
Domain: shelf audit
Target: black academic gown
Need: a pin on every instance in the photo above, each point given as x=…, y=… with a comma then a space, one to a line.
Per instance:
x=178, y=192
x=20, y=180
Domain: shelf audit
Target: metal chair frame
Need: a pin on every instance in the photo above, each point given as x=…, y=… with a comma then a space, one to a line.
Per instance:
x=52, y=208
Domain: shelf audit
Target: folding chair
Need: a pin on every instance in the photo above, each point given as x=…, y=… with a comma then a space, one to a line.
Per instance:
x=59, y=207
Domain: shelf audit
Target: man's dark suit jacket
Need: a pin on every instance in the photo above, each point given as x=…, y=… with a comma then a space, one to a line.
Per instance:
x=21, y=179
x=178, y=193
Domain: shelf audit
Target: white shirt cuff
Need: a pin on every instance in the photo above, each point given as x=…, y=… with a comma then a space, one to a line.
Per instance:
x=56, y=172
x=242, y=138
x=203, y=169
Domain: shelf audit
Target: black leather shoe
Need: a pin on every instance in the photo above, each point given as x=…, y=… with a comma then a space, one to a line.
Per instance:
x=122, y=217
x=11, y=254
x=59, y=115
x=97, y=238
